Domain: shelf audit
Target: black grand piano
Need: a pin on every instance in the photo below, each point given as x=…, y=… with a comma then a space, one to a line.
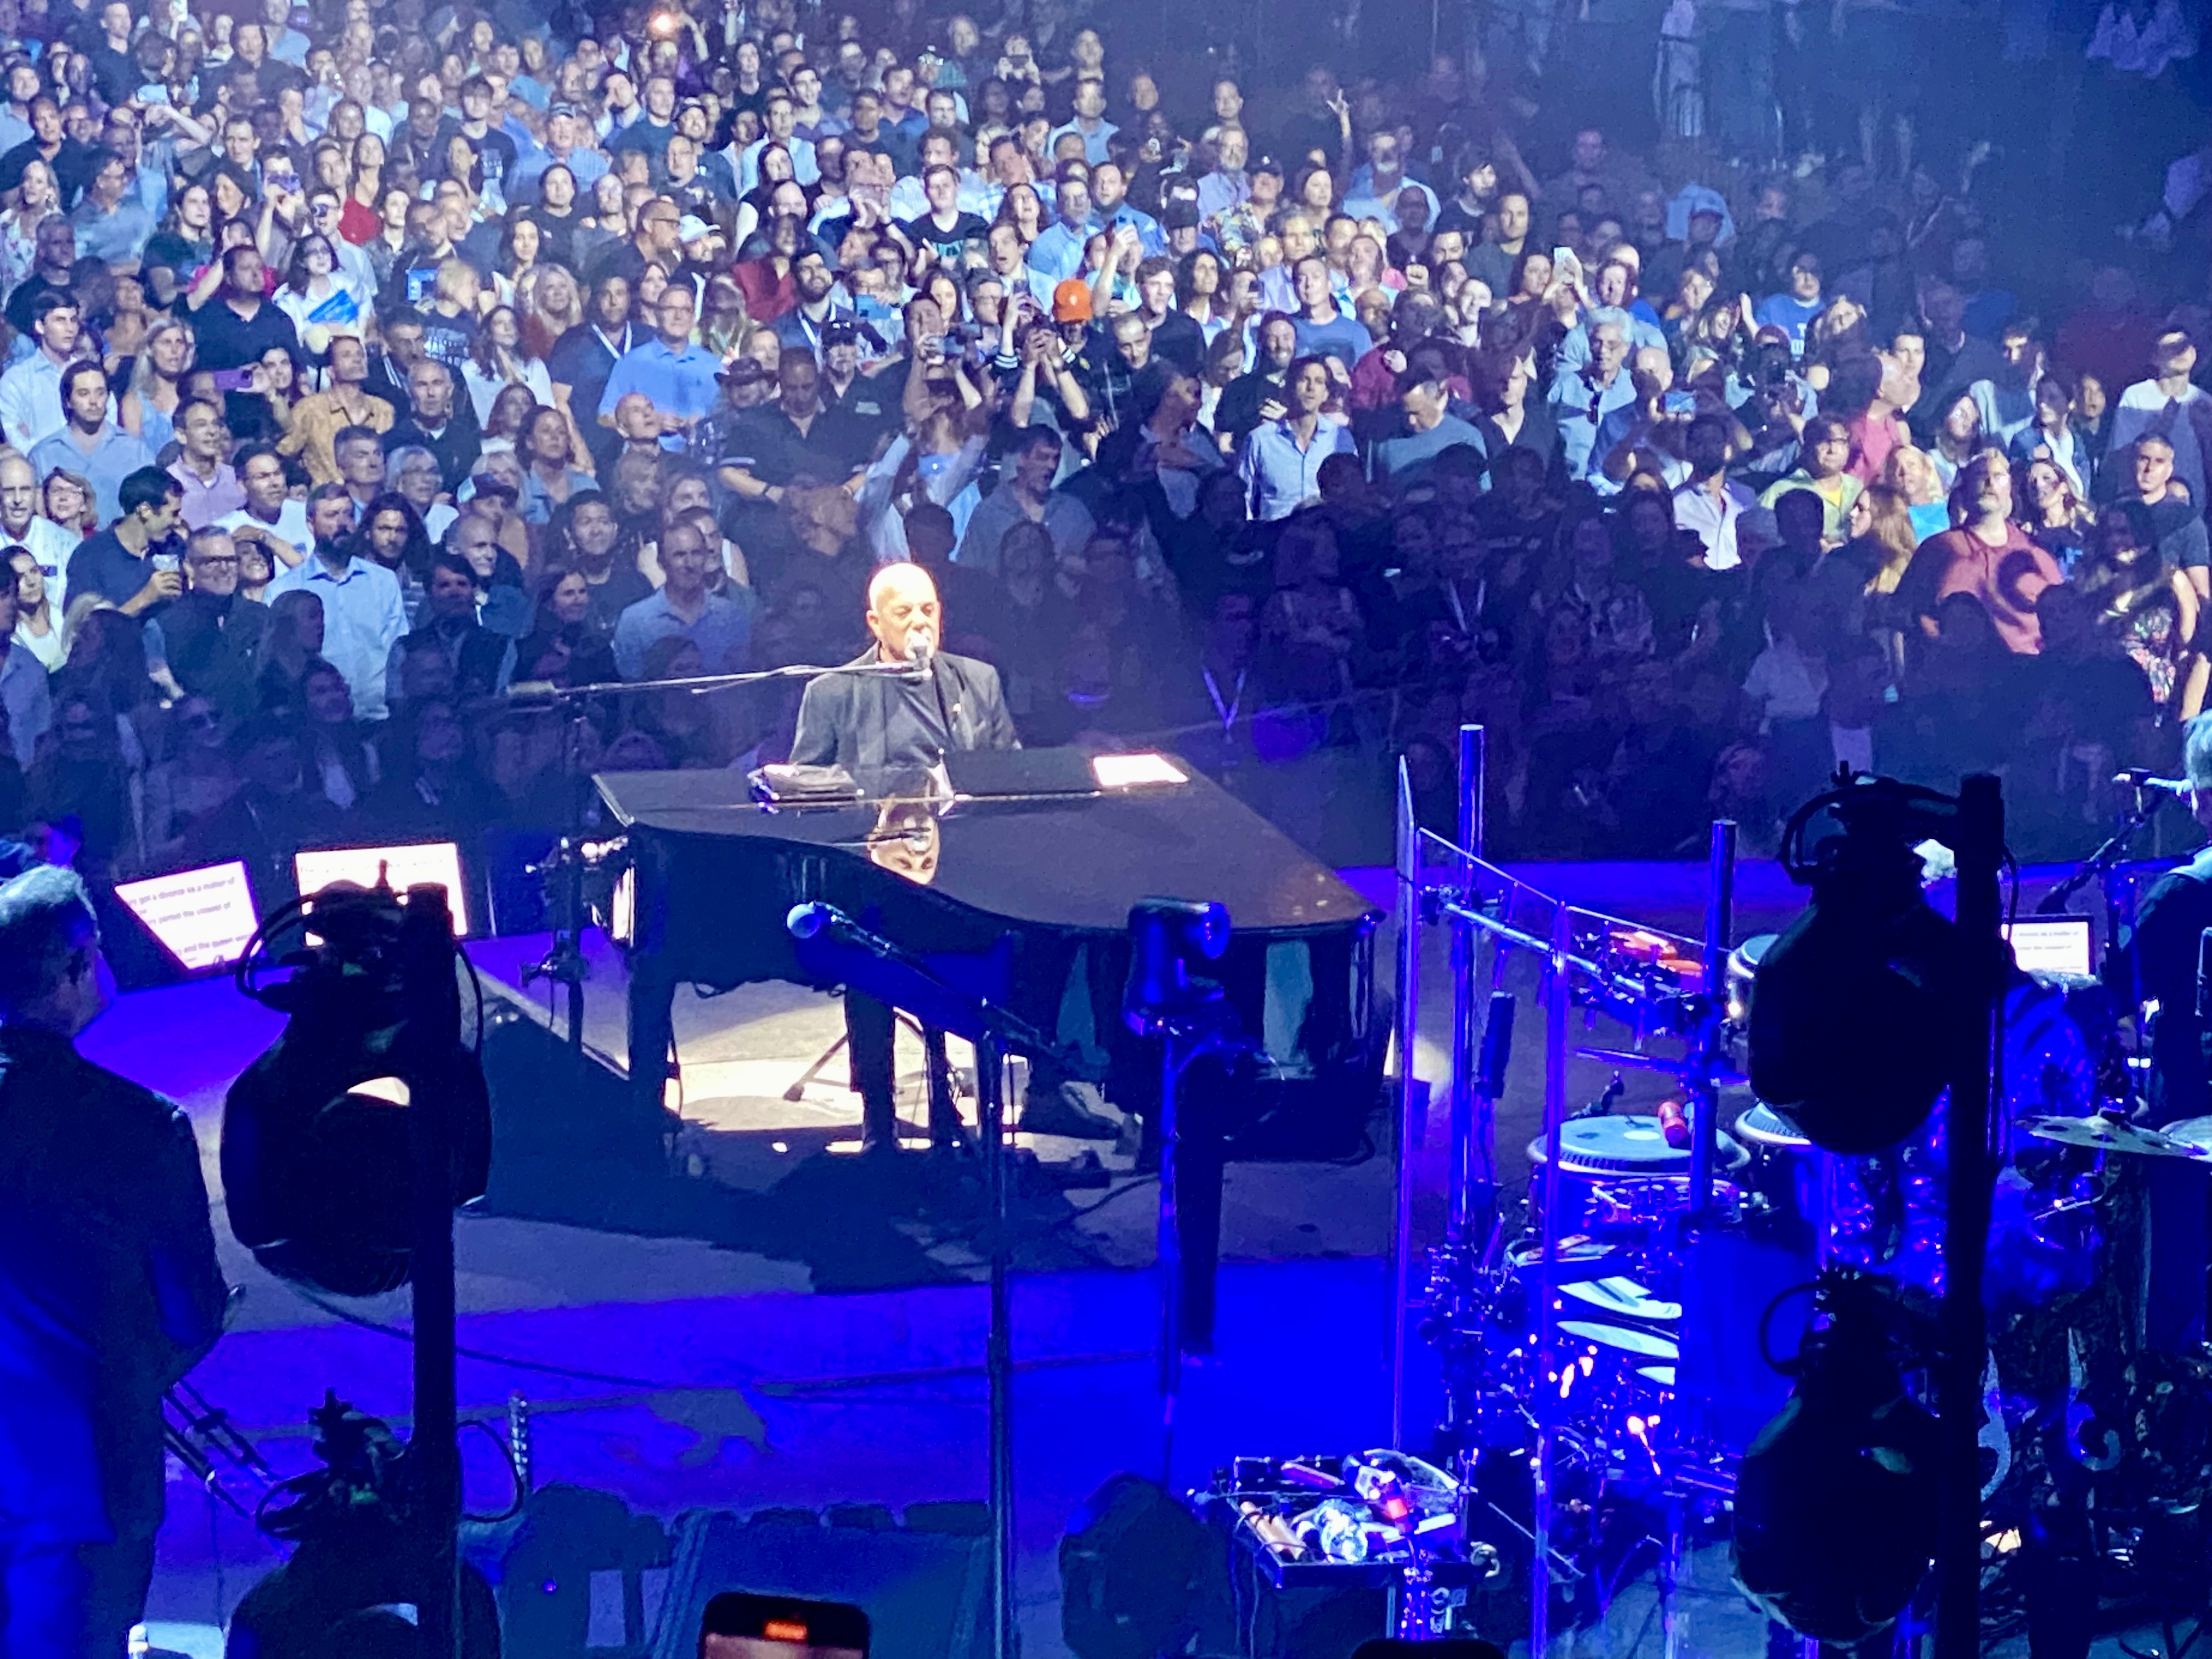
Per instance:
x=1019, y=881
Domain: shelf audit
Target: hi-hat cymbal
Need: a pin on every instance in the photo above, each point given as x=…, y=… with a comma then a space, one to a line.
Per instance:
x=2105, y=1133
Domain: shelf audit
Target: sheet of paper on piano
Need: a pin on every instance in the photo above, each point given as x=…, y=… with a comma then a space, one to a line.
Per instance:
x=1126, y=771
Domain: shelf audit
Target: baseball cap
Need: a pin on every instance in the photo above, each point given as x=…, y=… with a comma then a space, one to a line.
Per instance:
x=745, y=370
x=839, y=333
x=1070, y=301
x=692, y=227
x=1179, y=214
x=1266, y=164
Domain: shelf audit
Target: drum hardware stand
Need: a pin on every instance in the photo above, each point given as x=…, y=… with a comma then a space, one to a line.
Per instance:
x=1459, y=1268
x=1192, y=1017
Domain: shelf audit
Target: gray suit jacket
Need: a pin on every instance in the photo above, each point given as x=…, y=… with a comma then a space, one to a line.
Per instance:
x=860, y=724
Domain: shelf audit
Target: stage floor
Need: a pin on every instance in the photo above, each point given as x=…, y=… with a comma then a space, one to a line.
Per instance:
x=781, y=1338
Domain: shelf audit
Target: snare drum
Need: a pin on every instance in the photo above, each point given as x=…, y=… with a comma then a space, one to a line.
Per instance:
x=1616, y=1171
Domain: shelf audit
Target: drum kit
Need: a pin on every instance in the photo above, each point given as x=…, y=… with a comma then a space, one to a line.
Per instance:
x=1612, y=1372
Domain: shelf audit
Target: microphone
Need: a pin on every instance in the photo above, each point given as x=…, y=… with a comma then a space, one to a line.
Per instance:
x=921, y=649
x=806, y=921
x=2138, y=777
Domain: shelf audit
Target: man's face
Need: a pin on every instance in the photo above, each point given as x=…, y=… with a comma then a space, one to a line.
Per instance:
x=476, y=101
x=1512, y=217
x=475, y=540
x=1158, y=292
x=2019, y=354
x=1037, y=467
x=905, y=608
x=782, y=120
x=676, y=313
x=1589, y=149
x=1706, y=446
x=1310, y=390
x=798, y=384
x=246, y=272
x=47, y=121
x=1911, y=351
x=203, y=433
x=212, y=564
x=943, y=189
x=1074, y=202
x=331, y=518
x=1278, y=343
x=1424, y=403
x=612, y=305
x=431, y=390
x=1805, y=282
x=87, y=401
x=1609, y=348
x=1832, y=453
x=59, y=329
x=160, y=521
x=1312, y=282
x=56, y=245
x=402, y=343
x=686, y=558
x=1090, y=100
x=451, y=594
x=19, y=495
x=361, y=463
x=1108, y=188
x=2154, y=469
x=811, y=277
x=1298, y=239
x=263, y=478
x=1133, y=340
x=2176, y=355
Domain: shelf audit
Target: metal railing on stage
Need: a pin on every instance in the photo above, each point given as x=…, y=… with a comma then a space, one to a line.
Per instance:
x=1660, y=985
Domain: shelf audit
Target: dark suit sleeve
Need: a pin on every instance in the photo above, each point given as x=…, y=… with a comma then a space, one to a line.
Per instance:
x=188, y=1286
x=824, y=718
x=994, y=726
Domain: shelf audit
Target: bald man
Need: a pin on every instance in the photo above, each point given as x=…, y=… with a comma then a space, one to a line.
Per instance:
x=878, y=726
x=875, y=724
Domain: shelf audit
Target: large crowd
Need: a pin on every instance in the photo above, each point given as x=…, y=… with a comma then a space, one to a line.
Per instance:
x=369, y=366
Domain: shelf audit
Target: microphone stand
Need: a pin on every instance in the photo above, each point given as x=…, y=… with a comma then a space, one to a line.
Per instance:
x=2102, y=865
x=903, y=979
x=563, y=962
x=2109, y=854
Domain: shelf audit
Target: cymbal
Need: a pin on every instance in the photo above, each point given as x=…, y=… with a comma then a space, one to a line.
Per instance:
x=2191, y=1132
x=2104, y=1133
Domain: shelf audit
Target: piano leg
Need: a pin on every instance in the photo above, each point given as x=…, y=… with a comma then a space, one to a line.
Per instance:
x=652, y=1031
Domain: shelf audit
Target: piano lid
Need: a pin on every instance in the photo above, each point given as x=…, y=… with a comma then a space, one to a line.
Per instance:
x=1049, y=861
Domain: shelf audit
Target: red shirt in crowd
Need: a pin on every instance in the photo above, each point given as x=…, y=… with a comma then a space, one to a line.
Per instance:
x=2007, y=580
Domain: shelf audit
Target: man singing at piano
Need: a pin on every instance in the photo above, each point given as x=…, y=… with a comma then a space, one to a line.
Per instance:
x=863, y=723
x=870, y=724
